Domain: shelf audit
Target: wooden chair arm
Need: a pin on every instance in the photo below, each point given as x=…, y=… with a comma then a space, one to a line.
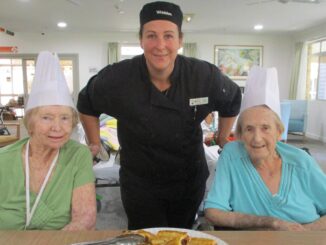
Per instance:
x=14, y=136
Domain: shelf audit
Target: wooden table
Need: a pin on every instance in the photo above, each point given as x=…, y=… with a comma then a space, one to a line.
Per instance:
x=231, y=237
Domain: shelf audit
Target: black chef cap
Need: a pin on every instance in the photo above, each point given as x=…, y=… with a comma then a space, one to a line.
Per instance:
x=161, y=11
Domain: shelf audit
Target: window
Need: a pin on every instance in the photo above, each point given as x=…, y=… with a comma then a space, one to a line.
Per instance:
x=316, y=71
x=10, y=74
x=128, y=51
x=17, y=74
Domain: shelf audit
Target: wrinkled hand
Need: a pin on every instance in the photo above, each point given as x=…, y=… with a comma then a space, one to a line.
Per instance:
x=95, y=149
x=281, y=225
x=221, y=141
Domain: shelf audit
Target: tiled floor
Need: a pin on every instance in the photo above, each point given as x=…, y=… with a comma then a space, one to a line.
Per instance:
x=112, y=215
x=316, y=148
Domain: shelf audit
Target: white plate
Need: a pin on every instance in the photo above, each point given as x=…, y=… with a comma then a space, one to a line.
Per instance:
x=191, y=233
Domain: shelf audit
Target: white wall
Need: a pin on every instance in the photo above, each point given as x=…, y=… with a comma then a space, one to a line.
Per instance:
x=277, y=52
x=91, y=47
x=92, y=50
x=316, y=121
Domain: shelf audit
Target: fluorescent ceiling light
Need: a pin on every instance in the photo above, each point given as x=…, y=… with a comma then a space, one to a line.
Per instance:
x=62, y=24
x=258, y=27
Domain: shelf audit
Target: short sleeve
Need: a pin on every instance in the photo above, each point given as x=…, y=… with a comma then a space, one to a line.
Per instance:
x=85, y=103
x=84, y=173
x=227, y=95
x=317, y=186
x=220, y=191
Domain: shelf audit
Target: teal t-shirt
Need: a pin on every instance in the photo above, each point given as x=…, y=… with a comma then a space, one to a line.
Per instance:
x=238, y=186
x=73, y=169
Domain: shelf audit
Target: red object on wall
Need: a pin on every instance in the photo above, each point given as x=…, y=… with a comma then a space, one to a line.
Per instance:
x=8, y=49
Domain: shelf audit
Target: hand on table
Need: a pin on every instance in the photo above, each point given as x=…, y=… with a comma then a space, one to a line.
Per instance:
x=281, y=225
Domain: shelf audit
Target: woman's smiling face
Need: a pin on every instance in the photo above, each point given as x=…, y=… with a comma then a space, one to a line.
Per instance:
x=51, y=126
x=260, y=133
x=160, y=41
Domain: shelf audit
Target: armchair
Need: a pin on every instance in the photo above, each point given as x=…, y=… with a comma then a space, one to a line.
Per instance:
x=285, y=118
x=298, y=117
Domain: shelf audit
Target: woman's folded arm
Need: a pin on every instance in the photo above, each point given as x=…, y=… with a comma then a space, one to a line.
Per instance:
x=317, y=225
x=243, y=221
x=83, y=211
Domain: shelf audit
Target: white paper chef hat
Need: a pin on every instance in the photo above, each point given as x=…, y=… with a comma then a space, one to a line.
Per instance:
x=262, y=89
x=49, y=85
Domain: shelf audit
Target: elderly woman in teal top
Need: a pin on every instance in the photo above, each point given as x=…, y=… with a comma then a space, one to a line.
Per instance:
x=262, y=183
x=46, y=180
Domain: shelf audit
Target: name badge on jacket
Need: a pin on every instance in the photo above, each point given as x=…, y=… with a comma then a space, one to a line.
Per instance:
x=198, y=101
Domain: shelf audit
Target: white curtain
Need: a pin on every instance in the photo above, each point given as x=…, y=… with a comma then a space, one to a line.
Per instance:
x=295, y=71
x=190, y=49
x=113, y=53
x=302, y=79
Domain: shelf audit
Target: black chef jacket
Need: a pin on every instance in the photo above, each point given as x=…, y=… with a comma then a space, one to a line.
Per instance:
x=159, y=133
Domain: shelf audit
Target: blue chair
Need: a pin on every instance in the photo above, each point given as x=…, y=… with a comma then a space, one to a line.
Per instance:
x=285, y=117
x=298, y=117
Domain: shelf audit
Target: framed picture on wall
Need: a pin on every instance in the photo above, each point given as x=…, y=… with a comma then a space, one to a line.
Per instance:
x=236, y=61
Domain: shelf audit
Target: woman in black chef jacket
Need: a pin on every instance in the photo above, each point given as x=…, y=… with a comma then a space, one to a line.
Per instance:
x=159, y=99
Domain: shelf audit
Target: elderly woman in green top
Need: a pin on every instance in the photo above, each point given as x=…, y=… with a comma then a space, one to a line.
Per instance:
x=46, y=180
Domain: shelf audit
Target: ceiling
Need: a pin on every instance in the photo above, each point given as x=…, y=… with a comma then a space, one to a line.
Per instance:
x=214, y=16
